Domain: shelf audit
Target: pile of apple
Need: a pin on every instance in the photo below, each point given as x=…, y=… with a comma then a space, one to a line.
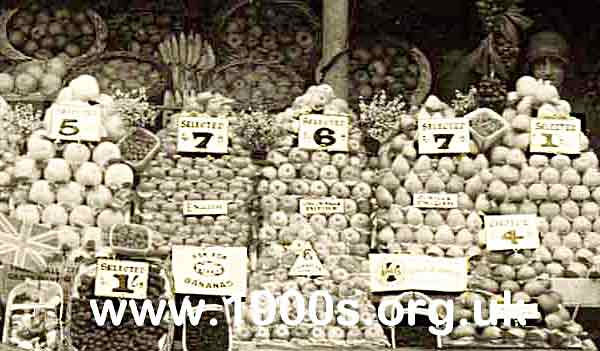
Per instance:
x=172, y=179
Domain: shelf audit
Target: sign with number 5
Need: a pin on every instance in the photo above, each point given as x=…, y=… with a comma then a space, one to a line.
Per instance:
x=321, y=132
x=75, y=123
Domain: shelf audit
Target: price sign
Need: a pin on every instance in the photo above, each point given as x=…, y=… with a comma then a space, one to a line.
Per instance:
x=321, y=206
x=555, y=136
x=205, y=207
x=202, y=134
x=509, y=232
x=121, y=279
x=307, y=264
x=318, y=132
x=443, y=136
x=75, y=122
x=427, y=200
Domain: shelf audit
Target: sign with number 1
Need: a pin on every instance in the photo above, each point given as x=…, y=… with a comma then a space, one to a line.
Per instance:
x=75, y=123
x=556, y=136
x=321, y=132
x=121, y=279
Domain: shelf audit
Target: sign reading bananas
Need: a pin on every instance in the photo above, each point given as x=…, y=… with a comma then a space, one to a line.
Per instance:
x=122, y=279
x=202, y=134
x=511, y=232
x=75, y=123
x=555, y=136
x=443, y=136
x=391, y=272
x=322, y=132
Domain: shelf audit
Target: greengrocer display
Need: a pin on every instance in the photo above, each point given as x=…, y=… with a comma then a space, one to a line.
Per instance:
x=174, y=166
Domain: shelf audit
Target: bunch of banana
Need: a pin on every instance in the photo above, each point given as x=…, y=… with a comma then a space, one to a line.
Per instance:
x=189, y=57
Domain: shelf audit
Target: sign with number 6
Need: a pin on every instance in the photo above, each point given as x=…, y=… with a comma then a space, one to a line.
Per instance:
x=75, y=123
x=319, y=132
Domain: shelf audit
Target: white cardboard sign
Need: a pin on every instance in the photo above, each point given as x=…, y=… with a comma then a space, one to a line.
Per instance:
x=510, y=232
x=431, y=200
x=75, y=123
x=556, y=136
x=121, y=279
x=443, y=135
x=202, y=134
x=391, y=272
x=322, y=132
x=205, y=207
x=307, y=264
x=219, y=271
x=321, y=206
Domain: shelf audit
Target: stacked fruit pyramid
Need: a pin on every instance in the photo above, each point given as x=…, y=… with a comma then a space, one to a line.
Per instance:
x=340, y=240
x=499, y=176
x=172, y=178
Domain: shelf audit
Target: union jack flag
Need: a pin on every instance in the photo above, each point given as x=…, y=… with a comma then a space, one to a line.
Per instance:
x=27, y=245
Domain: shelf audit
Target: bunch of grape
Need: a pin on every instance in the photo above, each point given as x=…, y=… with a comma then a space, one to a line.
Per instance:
x=491, y=93
x=490, y=12
x=508, y=52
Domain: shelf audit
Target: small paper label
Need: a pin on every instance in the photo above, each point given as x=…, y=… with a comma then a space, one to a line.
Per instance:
x=321, y=206
x=509, y=232
x=443, y=136
x=205, y=207
x=556, y=136
x=121, y=279
x=75, y=123
x=202, y=134
x=307, y=264
x=321, y=132
x=428, y=200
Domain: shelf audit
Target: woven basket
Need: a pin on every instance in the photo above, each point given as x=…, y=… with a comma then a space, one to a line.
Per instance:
x=298, y=9
x=154, y=92
x=424, y=81
x=11, y=53
x=218, y=79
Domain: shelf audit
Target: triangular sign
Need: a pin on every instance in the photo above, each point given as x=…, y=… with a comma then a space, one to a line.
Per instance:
x=308, y=264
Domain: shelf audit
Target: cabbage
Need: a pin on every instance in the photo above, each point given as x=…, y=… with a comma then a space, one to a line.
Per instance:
x=41, y=193
x=70, y=195
x=57, y=171
x=28, y=213
x=89, y=174
x=100, y=197
x=105, y=152
x=82, y=216
x=55, y=215
x=75, y=154
x=107, y=218
x=118, y=176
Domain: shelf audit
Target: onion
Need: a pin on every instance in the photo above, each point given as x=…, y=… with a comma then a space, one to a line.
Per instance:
x=57, y=170
x=100, y=197
x=89, y=174
x=82, y=216
x=105, y=152
x=28, y=213
x=55, y=215
x=41, y=193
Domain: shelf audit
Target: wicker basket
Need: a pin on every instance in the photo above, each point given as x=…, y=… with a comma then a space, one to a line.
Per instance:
x=11, y=53
x=85, y=65
x=416, y=56
x=240, y=81
x=297, y=10
x=141, y=164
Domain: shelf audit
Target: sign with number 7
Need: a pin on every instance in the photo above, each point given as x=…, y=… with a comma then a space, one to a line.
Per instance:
x=202, y=134
x=443, y=136
x=75, y=123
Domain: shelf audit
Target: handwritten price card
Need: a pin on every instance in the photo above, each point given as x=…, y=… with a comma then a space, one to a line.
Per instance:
x=202, y=134
x=319, y=132
x=205, y=207
x=511, y=232
x=121, y=279
x=555, y=136
x=321, y=206
x=428, y=200
x=443, y=135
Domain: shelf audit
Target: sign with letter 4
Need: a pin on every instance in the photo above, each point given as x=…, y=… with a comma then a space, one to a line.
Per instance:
x=202, y=134
x=75, y=123
x=556, y=136
x=443, y=136
x=319, y=132
x=121, y=279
